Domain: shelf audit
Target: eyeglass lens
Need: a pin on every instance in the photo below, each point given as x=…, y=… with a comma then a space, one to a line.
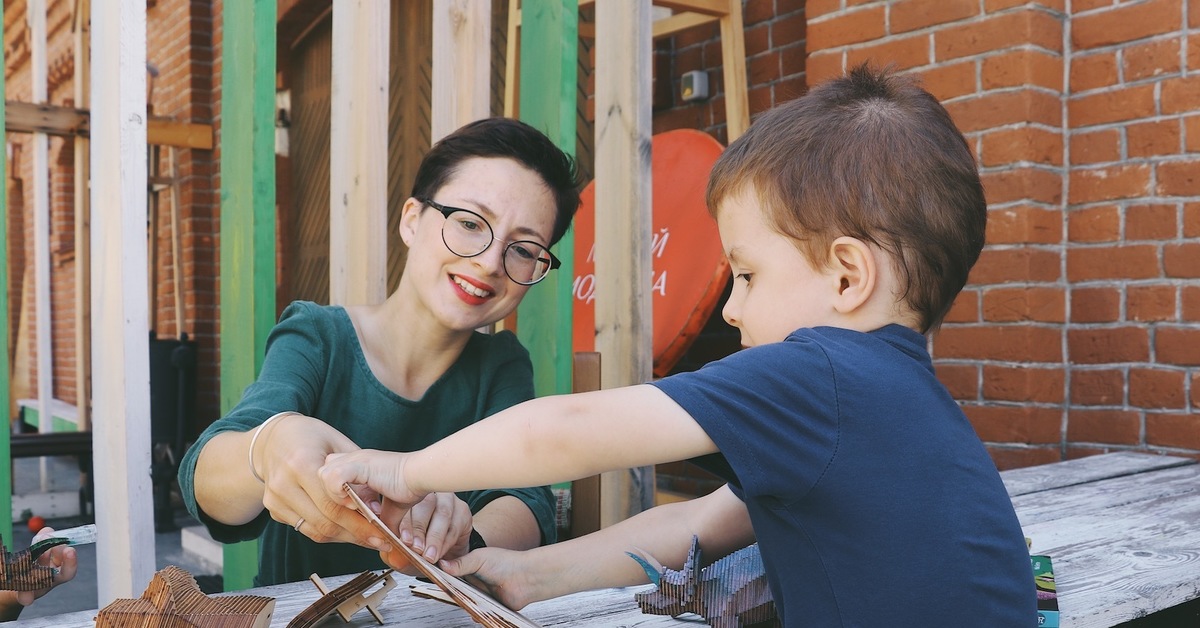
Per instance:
x=468, y=234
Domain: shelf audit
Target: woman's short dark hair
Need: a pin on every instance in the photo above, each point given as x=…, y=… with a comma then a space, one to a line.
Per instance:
x=508, y=138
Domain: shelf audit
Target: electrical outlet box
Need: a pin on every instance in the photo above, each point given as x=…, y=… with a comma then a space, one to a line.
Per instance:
x=693, y=86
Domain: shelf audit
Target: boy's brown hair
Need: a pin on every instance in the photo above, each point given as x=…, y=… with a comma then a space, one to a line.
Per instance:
x=873, y=156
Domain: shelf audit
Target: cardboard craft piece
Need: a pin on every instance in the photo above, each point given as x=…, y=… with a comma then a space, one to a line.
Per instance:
x=174, y=599
x=346, y=600
x=20, y=571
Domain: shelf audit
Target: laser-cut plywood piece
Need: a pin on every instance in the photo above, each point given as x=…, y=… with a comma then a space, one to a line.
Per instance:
x=346, y=600
x=174, y=600
x=732, y=592
x=20, y=570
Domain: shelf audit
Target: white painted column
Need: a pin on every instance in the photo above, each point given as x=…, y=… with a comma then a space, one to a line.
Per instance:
x=120, y=345
x=358, y=153
x=462, y=64
x=36, y=15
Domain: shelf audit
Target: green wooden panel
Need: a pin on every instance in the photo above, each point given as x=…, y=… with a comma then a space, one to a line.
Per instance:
x=6, y=524
x=247, y=217
x=549, y=44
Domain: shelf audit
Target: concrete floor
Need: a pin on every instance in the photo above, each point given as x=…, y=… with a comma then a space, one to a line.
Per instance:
x=80, y=593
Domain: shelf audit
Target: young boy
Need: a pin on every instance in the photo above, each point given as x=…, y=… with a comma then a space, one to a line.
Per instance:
x=851, y=217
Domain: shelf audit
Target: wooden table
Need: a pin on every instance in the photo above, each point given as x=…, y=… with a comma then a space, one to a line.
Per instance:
x=1123, y=531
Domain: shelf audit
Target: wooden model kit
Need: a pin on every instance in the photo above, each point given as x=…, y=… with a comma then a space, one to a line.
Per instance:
x=346, y=600
x=730, y=593
x=20, y=570
x=174, y=600
x=483, y=609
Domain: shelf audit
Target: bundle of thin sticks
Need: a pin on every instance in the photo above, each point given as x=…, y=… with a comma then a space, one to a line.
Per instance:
x=482, y=608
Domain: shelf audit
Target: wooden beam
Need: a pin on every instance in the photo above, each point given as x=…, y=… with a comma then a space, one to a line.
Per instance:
x=358, y=140
x=25, y=117
x=6, y=524
x=462, y=60
x=81, y=20
x=124, y=505
x=678, y=22
x=718, y=8
x=623, y=225
x=247, y=254
x=512, y=59
x=733, y=61
x=43, y=322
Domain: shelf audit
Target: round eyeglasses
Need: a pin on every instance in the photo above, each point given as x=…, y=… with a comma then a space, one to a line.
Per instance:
x=468, y=234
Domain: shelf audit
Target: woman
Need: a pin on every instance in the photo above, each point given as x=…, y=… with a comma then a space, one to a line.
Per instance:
x=488, y=202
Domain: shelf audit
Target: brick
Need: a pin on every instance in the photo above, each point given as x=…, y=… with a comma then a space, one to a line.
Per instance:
x=1118, y=427
x=962, y=380
x=1108, y=183
x=1154, y=58
x=1196, y=390
x=992, y=6
x=1151, y=222
x=965, y=308
x=948, y=81
x=1150, y=303
x=1193, y=15
x=1162, y=137
x=1016, y=343
x=1182, y=260
x=1125, y=23
x=825, y=65
x=1093, y=71
x=998, y=32
x=1002, y=108
x=1191, y=134
x=763, y=68
x=1137, y=261
x=1108, y=345
x=1022, y=67
x=1177, y=345
x=1104, y=387
x=1190, y=303
x=1173, y=430
x=911, y=15
x=1191, y=220
x=997, y=266
x=1006, y=458
x=904, y=53
x=1112, y=105
x=1094, y=224
x=1178, y=178
x=1027, y=143
x=792, y=60
x=846, y=27
x=1022, y=184
x=1180, y=95
x=1023, y=384
x=1015, y=424
x=1095, y=147
x=817, y=8
x=1024, y=225
x=1157, y=388
x=1009, y=305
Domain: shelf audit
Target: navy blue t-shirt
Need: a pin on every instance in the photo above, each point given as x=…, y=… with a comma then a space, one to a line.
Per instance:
x=873, y=501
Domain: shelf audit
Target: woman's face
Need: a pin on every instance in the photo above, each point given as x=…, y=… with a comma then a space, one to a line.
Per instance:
x=464, y=293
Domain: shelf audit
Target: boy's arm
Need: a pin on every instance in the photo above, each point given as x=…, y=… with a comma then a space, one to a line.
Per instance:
x=546, y=440
x=599, y=560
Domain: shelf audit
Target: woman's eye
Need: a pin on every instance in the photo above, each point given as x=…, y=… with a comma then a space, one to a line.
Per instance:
x=469, y=225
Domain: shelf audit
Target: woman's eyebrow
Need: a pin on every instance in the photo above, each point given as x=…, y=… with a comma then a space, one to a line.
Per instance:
x=487, y=212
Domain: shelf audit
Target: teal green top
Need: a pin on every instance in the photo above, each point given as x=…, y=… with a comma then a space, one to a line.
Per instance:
x=315, y=365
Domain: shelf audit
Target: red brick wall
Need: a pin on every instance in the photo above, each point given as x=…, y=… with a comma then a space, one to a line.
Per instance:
x=1078, y=332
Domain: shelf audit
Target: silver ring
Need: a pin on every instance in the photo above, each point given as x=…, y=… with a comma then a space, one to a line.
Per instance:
x=298, y=524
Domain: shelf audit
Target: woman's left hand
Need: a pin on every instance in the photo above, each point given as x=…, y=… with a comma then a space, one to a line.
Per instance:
x=437, y=527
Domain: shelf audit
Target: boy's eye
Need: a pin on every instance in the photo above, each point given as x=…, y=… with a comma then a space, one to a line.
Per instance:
x=743, y=276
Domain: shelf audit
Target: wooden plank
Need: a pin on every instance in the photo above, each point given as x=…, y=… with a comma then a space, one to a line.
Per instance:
x=678, y=22
x=1083, y=470
x=623, y=225
x=247, y=252
x=549, y=50
x=6, y=524
x=512, y=59
x=462, y=59
x=585, y=493
x=1096, y=496
x=358, y=142
x=72, y=122
x=733, y=61
x=124, y=505
x=83, y=239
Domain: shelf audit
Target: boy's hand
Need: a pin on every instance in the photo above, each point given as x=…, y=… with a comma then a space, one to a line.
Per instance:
x=382, y=472
x=62, y=558
x=497, y=572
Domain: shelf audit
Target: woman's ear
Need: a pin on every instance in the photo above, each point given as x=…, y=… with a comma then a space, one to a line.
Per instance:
x=410, y=214
x=856, y=271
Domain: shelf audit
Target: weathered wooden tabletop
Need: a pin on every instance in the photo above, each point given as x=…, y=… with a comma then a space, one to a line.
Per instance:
x=1123, y=531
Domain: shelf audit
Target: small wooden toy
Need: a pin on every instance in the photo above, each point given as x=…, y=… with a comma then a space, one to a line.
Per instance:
x=345, y=600
x=20, y=570
x=174, y=599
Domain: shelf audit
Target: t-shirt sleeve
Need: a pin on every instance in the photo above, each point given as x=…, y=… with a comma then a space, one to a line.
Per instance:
x=291, y=378
x=511, y=372
x=772, y=412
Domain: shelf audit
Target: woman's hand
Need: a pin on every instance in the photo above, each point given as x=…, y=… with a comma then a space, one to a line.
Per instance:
x=498, y=572
x=437, y=527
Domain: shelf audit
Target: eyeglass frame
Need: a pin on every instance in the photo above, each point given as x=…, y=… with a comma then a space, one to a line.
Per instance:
x=446, y=210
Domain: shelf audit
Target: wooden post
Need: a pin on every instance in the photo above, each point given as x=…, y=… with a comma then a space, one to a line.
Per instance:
x=6, y=524
x=358, y=143
x=83, y=249
x=124, y=506
x=549, y=49
x=462, y=60
x=733, y=61
x=36, y=15
x=623, y=225
x=247, y=217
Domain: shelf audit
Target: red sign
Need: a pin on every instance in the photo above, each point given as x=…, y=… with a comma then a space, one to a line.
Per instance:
x=689, y=268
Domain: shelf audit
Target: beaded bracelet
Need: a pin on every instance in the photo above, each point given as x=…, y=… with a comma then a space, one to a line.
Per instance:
x=253, y=439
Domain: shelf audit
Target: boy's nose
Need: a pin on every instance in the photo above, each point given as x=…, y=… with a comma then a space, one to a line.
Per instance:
x=729, y=314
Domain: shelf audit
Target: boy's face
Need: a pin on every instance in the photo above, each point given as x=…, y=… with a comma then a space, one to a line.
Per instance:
x=775, y=289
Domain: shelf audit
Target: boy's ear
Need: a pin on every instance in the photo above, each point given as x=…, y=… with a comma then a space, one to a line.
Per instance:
x=409, y=215
x=856, y=273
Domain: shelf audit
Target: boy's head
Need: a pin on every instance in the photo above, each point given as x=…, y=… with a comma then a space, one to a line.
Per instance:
x=506, y=138
x=871, y=156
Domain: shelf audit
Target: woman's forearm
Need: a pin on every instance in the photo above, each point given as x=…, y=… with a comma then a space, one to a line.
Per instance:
x=225, y=489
